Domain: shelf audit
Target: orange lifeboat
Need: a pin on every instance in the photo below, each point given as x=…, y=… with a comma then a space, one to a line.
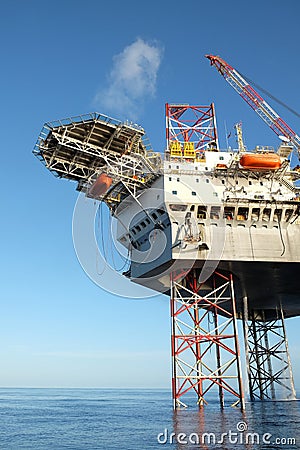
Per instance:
x=101, y=185
x=260, y=161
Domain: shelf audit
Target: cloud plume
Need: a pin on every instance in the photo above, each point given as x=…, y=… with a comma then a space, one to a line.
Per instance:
x=132, y=80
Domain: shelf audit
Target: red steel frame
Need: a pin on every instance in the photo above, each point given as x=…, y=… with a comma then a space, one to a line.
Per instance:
x=185, y=123
x=200, y=324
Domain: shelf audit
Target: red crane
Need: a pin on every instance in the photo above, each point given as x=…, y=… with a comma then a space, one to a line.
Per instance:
x=260, y=106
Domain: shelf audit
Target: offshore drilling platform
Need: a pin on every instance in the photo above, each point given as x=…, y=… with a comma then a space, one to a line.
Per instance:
x=218, y=230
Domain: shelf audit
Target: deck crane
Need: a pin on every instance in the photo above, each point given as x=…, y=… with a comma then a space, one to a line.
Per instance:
x=260, y=106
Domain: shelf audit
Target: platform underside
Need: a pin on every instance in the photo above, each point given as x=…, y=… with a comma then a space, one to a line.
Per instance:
x=267, y=285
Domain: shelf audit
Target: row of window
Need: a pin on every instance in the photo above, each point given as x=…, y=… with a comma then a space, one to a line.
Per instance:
x=223, y=181
x=215, y=194
x=146, y=221
x=196, y=179
x=175, y=192
x=245, y=213
x=236, y=213
x=221, y=158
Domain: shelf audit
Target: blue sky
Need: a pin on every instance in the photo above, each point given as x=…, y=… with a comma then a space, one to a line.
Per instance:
x=58, y=59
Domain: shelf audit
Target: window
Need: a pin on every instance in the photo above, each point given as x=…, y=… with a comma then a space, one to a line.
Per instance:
x=197, y=180
x=255, y=214
x=174, y=192
x=221, y=158
x=223, y=181
x=161, y=211
x=177, y=167
x=215, y=212
x=192, y=208
x=288, y=214
x=250, y=182
x=207, y=180
x=277, y=215
x=229, y=212
x=154, y=215
x=143, y=224
x=138, y=228
x=196, y=168
x=147, y=221
x=266, y=214
x=178, y=207
x=194, y=193
x=178, y=179
x=201, y=213
x=170, y=178
x=242, y=213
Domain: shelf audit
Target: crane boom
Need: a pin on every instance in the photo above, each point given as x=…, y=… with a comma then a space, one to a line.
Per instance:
x=260, y=106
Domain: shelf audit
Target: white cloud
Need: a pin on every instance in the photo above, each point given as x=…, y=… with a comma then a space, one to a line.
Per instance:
x=132, y=80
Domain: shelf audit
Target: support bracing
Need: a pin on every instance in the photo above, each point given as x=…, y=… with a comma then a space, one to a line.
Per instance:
x=205, y=349
x=269, y=366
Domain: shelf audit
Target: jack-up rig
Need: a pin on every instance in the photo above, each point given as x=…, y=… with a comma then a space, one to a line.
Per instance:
x=230, y=224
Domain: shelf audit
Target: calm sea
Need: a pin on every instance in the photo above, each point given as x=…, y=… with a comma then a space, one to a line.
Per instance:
x=128, y=419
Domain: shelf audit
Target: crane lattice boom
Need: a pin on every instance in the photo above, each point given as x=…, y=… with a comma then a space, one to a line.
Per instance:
x=260, y=106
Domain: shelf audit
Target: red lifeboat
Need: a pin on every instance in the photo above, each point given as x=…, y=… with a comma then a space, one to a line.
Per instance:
x=260, y=161
x=101, y=185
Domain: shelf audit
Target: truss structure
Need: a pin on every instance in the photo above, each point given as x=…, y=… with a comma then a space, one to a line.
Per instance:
x=81, y=148
x=196, y=124
x=268, y=361
x=205, y=349
x=255, y=101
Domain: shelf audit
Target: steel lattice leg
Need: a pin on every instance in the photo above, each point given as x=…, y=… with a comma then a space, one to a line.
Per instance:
x=205, y=349
x=269, y=365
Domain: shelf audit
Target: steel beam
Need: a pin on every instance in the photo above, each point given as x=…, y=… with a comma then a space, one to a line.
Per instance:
x=268, y=361
x=205, y=348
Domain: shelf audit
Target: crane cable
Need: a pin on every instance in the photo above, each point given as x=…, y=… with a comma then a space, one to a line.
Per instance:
x=271, y=96
x=107, y=251
x=98, y=251
x=280, y=233
x=125, y=259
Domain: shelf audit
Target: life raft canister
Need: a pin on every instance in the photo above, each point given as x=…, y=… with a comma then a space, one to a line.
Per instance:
x=260, y=161
x=101, y=185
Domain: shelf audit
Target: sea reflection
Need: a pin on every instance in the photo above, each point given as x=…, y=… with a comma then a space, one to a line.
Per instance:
x=264, y=425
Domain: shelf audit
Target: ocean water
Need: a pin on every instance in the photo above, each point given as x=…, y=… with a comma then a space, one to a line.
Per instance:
x=128, y=419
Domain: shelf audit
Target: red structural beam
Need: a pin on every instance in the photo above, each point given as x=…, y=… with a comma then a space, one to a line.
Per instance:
x=257, y=103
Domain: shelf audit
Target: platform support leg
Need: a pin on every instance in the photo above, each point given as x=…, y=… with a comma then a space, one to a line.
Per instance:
x=267, y=356
x=205, y=348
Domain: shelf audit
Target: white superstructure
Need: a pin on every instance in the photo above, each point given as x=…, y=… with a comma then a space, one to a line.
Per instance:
x=196, y=206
